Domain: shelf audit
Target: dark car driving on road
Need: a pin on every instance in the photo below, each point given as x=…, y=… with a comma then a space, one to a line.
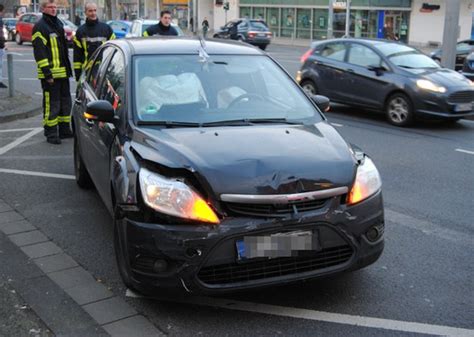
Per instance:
x=386, y=76
x=220, y=172
x=252, y=31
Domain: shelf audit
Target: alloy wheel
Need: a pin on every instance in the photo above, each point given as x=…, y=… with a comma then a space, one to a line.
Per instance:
x=398, y=110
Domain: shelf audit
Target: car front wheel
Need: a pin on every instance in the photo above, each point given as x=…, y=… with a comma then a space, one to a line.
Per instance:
x=399, y=110
x=309, y=87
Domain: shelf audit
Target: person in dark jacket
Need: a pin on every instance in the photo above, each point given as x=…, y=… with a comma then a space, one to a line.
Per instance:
x=54, y=69
x=2, y=46
x=163, y=27
x=90, y=36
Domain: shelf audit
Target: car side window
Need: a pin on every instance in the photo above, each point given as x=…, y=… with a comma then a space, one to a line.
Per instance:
x=242, y=26
x=363, y=56
x=96, y=67
x=113, y=86
x=333, y=51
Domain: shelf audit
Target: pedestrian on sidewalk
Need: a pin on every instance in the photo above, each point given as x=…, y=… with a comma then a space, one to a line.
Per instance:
x=2, y=46
x=54, y=69
x=205, y=27
x=163, y=27
x=90, y=36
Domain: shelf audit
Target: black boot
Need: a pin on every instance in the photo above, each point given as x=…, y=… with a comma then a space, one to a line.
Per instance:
x=53, y=140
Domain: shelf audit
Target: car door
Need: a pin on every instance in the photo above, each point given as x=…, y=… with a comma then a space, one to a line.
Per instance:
x=328, y=67
x=29, y=27
x=88, y=129
x=364, y=85
x=112, y=89
x=21, y=26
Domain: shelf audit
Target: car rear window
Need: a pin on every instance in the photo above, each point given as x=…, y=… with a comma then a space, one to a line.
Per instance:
x=258, y=25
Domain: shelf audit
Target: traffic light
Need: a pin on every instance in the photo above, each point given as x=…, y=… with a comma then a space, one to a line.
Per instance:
x=226, y=6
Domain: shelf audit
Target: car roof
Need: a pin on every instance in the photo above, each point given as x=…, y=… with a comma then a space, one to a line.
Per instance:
x=366, y=41
x=184, y=45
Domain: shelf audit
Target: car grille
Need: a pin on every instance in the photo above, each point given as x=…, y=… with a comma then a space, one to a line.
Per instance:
x=275, y=209
x=226, y=274
x=461, y=97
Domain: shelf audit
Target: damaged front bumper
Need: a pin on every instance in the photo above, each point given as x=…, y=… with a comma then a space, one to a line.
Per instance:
x=203, y=258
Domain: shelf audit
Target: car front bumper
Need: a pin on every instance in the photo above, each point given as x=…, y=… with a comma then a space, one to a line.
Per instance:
x=444, y=106
x=203, y=259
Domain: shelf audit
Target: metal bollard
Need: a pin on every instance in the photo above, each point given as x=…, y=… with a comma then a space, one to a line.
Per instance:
x=11, y=83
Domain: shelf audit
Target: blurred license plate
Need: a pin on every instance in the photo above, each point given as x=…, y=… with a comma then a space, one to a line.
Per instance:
x=262, y=34
x=276, y=245
x=464, y=107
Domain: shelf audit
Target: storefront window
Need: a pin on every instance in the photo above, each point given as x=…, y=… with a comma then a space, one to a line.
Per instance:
x=272, y=20
x=339, y=22
x=364, y=23
x=320, y=24
x=303, y=25
x=258, y=13
x=287, y=22
x=245, y=12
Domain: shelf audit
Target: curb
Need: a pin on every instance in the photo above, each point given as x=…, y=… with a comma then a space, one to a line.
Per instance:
x=20, y=115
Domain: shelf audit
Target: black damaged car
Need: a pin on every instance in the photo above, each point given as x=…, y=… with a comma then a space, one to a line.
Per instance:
x=220, y=172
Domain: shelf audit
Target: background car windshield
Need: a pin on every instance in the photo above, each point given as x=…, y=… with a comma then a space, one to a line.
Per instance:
x=190, y=88
x=405, y=56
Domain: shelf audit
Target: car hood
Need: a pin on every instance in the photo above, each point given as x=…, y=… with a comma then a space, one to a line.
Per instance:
x=442, y=76
x=270, y=159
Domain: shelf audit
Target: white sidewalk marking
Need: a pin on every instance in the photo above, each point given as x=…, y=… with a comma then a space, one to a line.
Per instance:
x=20, y=140
x=38, y=174
x=16, y=130
x=314, y=315
x=464, y=151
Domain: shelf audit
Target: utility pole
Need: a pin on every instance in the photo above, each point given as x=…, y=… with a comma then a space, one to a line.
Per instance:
x=330, y=18
x=348, y=18
x=451, y=33
x=195, y=17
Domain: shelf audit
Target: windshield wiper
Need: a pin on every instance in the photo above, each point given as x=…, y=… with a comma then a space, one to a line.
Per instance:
x=251, y=121
x=170, y=124
x=406, y=67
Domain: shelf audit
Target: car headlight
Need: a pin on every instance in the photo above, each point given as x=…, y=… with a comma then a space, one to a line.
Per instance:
x=173, y=197
x=367, y=182
x=430, y=86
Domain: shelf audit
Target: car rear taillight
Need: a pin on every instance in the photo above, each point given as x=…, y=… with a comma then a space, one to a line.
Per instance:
x=305, y=56
x=269, y=34
x=252, y=34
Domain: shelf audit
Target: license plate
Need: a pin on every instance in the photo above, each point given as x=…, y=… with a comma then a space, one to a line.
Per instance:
x=276, y=245
x=464, y=107
x=262, y=34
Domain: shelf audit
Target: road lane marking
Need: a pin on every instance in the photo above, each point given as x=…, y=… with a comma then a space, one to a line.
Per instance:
x=338, y=125
x=20, y=140
x=15, y=60
x=28, y=79
x=315, y=315
x=465, y=151
x=38, y=174
x=16, y=130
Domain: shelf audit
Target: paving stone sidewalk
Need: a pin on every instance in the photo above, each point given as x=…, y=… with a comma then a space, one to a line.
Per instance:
x=18, y=107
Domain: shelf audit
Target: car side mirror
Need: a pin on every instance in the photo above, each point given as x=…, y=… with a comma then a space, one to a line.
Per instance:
x=322, y=102
x=101, y=111
x=377, y=69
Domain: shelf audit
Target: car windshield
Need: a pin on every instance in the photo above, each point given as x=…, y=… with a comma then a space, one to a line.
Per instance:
x=217, y=89
x=406, y=57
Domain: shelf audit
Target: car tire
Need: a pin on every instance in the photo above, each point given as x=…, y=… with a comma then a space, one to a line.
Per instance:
x=263, y=46
x=18, y=39
x=83, y=178
x=309, y=87
x=216, y=36
x=399, y=110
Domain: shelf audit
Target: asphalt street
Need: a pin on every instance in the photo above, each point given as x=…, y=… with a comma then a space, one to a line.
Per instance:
x=425, y=275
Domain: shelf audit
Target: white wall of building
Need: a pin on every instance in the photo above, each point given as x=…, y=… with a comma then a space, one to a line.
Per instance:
x=429, y=27
x=219, y=14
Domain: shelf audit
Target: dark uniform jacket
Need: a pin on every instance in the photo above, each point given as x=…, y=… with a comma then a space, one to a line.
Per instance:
x=160, y=29
x=89, y=37
x=50, y=48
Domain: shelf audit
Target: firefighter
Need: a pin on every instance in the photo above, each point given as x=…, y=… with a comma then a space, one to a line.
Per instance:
x=163, y=27
x=89, y=37
x=54, y=70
